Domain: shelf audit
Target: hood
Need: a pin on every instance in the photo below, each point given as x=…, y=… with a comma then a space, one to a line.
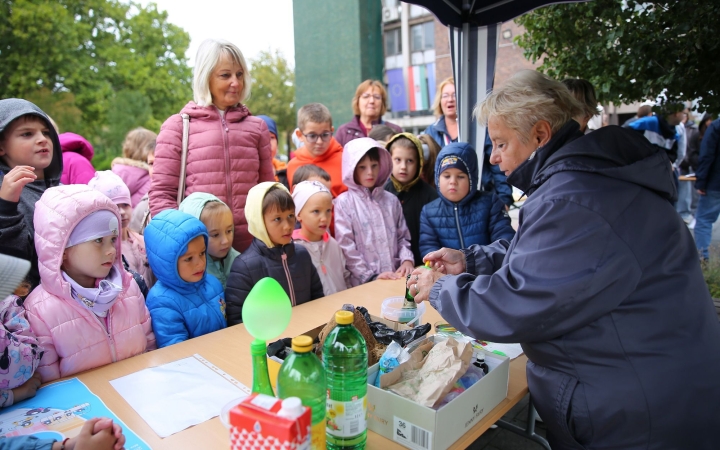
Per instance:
x=195, y=202
x=253, y=211
x=611, y=151
x=166, y=239
x=60, y=209
x=211, y=113
x=272, y=126
x=305, y=157
x=467, y=155
x=354, y=152
x=11, y=109
x=71, y=142
x=421, y=160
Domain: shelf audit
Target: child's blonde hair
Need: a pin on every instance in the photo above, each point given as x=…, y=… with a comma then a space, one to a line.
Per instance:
x=138, y=143
x=313, y=112
x=212, y=210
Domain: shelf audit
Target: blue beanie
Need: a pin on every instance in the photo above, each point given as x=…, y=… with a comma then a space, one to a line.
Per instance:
x=270, y=124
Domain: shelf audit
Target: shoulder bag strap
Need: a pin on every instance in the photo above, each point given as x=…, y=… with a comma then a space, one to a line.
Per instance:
x=183, y=158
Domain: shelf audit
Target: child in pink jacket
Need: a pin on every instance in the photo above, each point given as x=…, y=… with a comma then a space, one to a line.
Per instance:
x=88, y=311
x=369, y=222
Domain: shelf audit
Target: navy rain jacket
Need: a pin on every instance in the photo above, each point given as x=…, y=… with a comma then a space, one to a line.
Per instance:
x=602, y=287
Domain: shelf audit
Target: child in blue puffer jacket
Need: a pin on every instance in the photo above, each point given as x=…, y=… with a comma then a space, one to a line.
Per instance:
x=462, y=215
x=186, y=301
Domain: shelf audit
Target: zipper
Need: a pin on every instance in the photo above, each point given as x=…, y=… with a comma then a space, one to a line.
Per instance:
x=291, y=288
x=108, y=334
x=226, y=150
x=457, y=224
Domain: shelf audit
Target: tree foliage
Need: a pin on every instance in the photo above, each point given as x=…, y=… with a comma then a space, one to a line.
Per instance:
x=273, y=90
x=629, y=50
x=116, y=64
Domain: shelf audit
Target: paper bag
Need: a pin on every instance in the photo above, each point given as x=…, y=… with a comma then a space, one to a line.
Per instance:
x=427, y=379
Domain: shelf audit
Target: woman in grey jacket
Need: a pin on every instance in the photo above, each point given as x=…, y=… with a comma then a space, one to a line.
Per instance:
x=601, y=284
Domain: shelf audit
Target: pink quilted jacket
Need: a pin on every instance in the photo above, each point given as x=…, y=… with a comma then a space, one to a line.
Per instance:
x=75, y=339
x=226, y=157
x=136, y=176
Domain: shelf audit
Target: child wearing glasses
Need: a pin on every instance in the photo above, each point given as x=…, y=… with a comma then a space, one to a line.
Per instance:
x=315, y=130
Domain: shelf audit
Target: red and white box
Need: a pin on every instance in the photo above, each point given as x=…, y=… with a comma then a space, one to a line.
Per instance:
x=255, y=425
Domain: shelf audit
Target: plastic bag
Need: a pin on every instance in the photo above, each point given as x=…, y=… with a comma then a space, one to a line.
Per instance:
x=394, y=356
x=386, y=335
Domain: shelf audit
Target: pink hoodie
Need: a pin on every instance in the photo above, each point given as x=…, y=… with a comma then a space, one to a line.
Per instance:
x=226, y=157
x=74, y=338
x=370, y=226
x=77, y=153
x=135, y=174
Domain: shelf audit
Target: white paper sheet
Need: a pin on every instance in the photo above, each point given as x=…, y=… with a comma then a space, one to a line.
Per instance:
x=180, y=394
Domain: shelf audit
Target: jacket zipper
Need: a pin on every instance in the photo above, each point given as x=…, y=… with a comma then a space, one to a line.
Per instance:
x=226, y=150
x=287, y=274
x=457, y=224
x=108, y=334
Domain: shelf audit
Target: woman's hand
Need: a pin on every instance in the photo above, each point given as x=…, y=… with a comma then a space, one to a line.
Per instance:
x=27, y=389
x=405, y=268
x=447, y=261
x=14, y=182
x=421, y=282
x=387, y=276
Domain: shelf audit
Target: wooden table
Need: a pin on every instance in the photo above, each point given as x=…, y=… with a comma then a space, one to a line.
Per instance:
x=229, y=349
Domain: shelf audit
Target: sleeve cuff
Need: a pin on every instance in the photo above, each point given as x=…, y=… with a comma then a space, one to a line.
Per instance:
x=8, y=208
x=469, y=260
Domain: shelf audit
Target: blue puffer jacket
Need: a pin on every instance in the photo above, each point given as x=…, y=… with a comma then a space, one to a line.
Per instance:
x=180, y=310
x=479, y=218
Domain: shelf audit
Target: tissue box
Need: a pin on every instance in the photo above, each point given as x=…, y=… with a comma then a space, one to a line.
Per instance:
x=254, y=424
x=419, y=427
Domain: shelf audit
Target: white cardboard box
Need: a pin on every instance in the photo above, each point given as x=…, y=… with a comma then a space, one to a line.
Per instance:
x=422, y=428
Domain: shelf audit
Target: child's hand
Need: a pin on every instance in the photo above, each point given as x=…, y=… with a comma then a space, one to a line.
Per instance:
x=105, y=423
x=102, y=440
x=388, y=276
x=27, y=389
x=14, y=182
x=405, y=268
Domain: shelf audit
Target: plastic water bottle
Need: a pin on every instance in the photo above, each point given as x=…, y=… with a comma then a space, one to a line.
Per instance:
x=302, y=375
x=346, y=363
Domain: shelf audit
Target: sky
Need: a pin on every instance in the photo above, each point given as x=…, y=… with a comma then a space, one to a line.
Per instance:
x=252, y=25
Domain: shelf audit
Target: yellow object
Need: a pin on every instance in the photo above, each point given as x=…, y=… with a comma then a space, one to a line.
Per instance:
x=302, y=344
x=344, y=317
x=273, y=370
x=427, y=264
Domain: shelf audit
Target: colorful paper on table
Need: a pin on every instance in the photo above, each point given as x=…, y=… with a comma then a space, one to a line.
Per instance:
x=58, y=411
x=267, y=310
x=180, y=394
x=512, y=351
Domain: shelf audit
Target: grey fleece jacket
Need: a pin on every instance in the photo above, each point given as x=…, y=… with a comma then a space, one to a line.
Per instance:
x=17, y=231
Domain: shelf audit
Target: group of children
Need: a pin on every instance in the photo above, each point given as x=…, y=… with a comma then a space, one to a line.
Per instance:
x=354, y=214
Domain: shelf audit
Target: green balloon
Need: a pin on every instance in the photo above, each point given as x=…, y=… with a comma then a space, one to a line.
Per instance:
x=267, y=310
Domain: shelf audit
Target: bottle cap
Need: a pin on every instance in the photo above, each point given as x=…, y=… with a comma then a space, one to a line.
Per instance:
x=302, y=344
x=291, y=408
x=258, y=348
x=344, y=317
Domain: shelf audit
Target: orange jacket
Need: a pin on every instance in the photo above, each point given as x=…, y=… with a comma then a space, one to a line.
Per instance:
x=331, y=161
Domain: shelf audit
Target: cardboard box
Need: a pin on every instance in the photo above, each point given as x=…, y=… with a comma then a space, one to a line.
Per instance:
x=422, y=428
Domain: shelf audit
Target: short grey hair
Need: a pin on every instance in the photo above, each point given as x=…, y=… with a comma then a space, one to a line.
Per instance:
x=527, y=98
x=208, y=56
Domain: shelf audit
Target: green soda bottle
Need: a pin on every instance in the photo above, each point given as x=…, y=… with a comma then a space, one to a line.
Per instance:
x=261, y=378
x=302, y=375
x=345, y=359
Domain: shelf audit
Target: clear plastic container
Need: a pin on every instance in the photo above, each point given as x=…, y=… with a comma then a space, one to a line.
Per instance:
x=392, y=310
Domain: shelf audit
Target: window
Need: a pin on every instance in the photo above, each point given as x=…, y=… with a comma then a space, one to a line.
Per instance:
x=393, y=44
x=422, y=36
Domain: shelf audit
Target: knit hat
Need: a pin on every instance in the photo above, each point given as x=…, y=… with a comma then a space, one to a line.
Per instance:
x=96, y=225
x=272, y=127
x=112, y=186
x=304, y=190
x=450, y=162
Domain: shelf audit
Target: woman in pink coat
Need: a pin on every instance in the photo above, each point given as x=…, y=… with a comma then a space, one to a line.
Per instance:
x=228, y=149
x=79, y=326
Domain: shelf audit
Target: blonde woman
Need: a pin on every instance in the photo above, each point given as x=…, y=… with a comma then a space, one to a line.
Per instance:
x=601, y=285
x=228, y=149
x=445, y=129
x=369, y=104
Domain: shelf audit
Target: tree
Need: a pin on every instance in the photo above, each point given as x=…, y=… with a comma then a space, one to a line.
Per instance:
x=91, y=51
x=273, y=90
x=629, y=50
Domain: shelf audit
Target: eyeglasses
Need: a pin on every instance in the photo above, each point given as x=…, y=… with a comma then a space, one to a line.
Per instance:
x=446, y=96
x=312, y=137
x=377, y=97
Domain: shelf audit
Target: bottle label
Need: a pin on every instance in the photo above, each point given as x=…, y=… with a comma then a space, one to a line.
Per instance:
x=346, y=419
x=317, y=436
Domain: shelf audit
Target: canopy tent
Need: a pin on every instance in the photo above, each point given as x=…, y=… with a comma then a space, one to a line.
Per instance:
x=474, y=26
